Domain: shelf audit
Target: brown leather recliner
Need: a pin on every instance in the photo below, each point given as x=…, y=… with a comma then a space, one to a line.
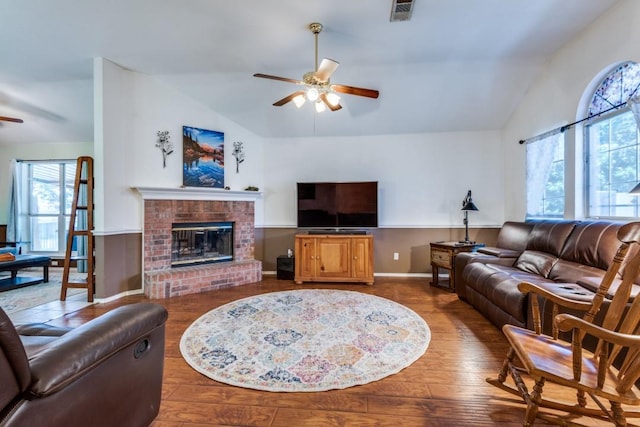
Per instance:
x=512, y=241
x=106, y=372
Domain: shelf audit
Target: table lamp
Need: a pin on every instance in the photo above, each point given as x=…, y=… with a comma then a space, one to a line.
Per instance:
x=467, y=205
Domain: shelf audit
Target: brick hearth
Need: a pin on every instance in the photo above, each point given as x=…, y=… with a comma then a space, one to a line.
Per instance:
x=162, y=281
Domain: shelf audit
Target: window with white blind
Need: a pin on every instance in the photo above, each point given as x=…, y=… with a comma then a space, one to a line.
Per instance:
x=48, y=208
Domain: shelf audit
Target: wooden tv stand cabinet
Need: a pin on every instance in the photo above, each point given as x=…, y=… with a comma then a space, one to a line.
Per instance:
x=334, y=258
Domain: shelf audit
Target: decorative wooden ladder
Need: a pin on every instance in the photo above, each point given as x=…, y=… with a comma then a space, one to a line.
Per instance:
x=82, y=208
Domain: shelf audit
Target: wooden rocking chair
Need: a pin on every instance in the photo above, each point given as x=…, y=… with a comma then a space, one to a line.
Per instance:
x=543, y=358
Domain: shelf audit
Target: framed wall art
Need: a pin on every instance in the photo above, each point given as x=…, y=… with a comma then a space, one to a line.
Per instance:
x=202, y=157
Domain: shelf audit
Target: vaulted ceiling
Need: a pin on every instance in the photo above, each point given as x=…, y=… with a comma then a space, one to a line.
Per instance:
x=456, y=65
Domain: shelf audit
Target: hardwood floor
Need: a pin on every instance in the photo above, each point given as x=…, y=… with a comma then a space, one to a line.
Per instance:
x=446, y=387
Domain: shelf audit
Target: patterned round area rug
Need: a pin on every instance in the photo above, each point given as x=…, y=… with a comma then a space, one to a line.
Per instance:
x=305, y=340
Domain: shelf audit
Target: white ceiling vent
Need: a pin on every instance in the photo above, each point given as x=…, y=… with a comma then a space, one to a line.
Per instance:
x=401, y=10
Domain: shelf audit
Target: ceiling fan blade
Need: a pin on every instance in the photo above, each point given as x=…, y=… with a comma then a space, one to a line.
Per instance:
x=282, y=79
x=11, y=119
x=288, y=98
x=326, y=69
x=352, y=90
x=336, y=107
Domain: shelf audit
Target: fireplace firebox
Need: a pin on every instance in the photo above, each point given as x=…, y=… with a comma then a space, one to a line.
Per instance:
x=201, y=243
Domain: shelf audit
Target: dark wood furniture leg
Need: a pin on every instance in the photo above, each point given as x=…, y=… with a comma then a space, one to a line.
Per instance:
x=434, y=274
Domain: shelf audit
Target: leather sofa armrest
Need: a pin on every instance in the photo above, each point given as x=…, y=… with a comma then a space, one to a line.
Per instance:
x=77, y=352
x=499, y=252
x=488, y=259
x=41, y=330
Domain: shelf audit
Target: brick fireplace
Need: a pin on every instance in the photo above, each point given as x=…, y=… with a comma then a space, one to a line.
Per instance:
x=162, y=210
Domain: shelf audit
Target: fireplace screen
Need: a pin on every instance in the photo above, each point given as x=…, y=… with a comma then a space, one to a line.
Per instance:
x=198, y=243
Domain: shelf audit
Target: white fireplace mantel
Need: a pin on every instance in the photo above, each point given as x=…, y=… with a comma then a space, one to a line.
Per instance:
x=196, y=193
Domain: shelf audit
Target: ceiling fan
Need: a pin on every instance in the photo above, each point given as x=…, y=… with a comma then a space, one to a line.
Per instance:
x=10, y=119
x=318, y=86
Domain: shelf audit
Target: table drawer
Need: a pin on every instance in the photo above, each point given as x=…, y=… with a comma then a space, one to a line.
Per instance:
x=441, y=258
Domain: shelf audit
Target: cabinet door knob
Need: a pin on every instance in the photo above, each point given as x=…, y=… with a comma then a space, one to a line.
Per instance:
x=355, y=257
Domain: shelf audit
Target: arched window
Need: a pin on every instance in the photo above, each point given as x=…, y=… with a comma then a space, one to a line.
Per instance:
x=612, y=146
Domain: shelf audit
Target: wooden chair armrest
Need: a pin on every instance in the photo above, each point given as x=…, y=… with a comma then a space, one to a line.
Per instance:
x=527, y=287
x=566, y=322
x=555, y=300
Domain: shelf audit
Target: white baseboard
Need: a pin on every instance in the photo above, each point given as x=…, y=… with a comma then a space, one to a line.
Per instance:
x=118, y=296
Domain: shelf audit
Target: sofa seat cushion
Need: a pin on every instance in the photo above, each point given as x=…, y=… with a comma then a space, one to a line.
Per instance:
x=499, y=284
x=569, y=271
x=591, y=284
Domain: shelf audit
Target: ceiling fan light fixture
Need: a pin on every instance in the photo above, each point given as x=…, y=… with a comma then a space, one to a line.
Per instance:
x=312, y=94
x=317, y=85
x=299, y=100
x=333, y=99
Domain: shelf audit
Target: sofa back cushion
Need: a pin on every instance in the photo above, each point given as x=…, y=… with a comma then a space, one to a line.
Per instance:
x=546, y=240
x=512, y=240
x=14, y=367
x=514, y=235
x=591, y=244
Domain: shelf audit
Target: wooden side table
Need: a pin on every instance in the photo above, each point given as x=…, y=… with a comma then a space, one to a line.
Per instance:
x=443, y=255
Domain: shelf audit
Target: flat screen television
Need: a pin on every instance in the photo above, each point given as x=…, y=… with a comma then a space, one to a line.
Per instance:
x=337, y=205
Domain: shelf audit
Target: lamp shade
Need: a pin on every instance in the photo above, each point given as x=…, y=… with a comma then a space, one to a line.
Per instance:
x=467, y=203
x=469, y=206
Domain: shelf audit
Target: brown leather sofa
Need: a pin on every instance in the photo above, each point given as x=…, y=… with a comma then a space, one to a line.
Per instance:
x=107, y=372
x=511, y=242
x=567, y=257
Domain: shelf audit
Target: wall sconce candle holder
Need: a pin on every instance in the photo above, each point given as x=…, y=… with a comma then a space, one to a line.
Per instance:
x=165, y=145
x=238, y=153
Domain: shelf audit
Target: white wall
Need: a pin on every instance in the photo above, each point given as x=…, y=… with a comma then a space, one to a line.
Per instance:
x=422, y=178
x=113, y=118
x=134, y=108
x=554, y=99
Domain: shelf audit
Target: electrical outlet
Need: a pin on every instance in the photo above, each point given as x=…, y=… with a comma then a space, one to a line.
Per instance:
x=396, y=256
